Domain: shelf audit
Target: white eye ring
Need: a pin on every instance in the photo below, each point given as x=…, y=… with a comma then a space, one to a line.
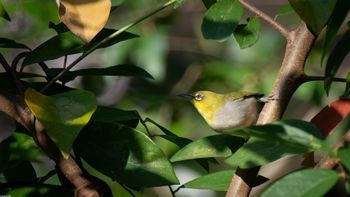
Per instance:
x=198, y=97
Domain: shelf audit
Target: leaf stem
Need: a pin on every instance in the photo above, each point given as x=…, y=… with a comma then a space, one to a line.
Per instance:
x=263, y=16
x=115, y=34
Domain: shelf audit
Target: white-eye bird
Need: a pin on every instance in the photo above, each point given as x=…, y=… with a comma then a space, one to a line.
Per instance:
x=227, y=111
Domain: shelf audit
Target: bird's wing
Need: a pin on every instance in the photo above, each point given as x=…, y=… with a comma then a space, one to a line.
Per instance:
x=238, y=95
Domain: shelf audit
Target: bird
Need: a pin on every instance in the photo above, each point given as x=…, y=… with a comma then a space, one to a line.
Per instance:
x=225, y=112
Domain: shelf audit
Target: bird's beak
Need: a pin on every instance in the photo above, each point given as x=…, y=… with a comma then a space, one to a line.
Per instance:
x=186, y=96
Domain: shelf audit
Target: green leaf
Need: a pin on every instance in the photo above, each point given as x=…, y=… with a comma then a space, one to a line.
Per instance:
x=211, y=146
x=344, y=156
x=340, y=11
x=3, y=12
x=23, y=172
x=118, y=70
x=247, y=35
x=67, y=43
x=37, y=190
x=308, y=182
x=8, y=43
x=335, y=59
x=217, y=181
x=258, y=152
x=58, y=46
x=104, y=33
x=346, y=93
x=314, y=13
x=17, y=148
x=59, y=28
x=221, y=19
x=208, y=3
x=62, y=115
x=290, y=132
x=125, y=155
x=284, y=10
x=339, y=132
x=113, y=115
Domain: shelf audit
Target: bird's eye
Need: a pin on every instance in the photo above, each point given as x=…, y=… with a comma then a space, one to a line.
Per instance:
x=199, y=97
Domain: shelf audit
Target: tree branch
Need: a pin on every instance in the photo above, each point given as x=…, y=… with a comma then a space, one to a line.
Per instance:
x=85, y=184
x=12, y=73
x=288, y=80
x=267, y=19
x=307, y=78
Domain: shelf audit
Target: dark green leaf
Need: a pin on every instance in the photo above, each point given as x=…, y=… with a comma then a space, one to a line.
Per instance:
x=221, y=19
x=119, y=70
x=335, y=59
x=208, y=3
x=37, y=190
x=104, y=33
x=8, y=43
x=3, y=12
x=58, y=46
x=170, y=136
x=125, y=155
x=248, y=34
x=67, y=43
x=344, y=156
x=17, y=148
x=258, y=152
x=113, y=115
x=59, y=28
x=315, y=13
x=217, y=181
x=346, y=93
x=340, y=11
x=308, y=182
x=211, y=146
x=23, y=172
x=290, y=132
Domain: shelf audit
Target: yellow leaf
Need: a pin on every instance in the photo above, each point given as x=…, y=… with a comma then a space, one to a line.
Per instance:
x=85, y=18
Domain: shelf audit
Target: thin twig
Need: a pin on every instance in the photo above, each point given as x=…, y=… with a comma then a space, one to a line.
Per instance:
x=12, y=74
x=47, y=176
x=115, y=34
x=17, y=58
x=267, y=19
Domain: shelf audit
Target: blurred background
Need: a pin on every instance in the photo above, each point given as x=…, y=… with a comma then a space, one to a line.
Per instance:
x=172, y=49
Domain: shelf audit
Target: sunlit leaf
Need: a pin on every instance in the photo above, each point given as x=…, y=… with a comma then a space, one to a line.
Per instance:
x=217, y=181
x=340, y=11
x=335, y=59
x=62, y=115
x=247, y=35
x=344, y=156
x=308, y=182
x=84, y=18
x=211, y=146
x=315, y=13
x=221, y=19
x=284, y=10
x=124, y=154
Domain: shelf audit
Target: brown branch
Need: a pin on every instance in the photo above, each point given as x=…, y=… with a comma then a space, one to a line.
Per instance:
x=267, y=19
x=288, y=80
x=85, y=185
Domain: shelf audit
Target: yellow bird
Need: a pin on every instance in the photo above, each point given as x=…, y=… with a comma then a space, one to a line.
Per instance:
x=227, y=111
